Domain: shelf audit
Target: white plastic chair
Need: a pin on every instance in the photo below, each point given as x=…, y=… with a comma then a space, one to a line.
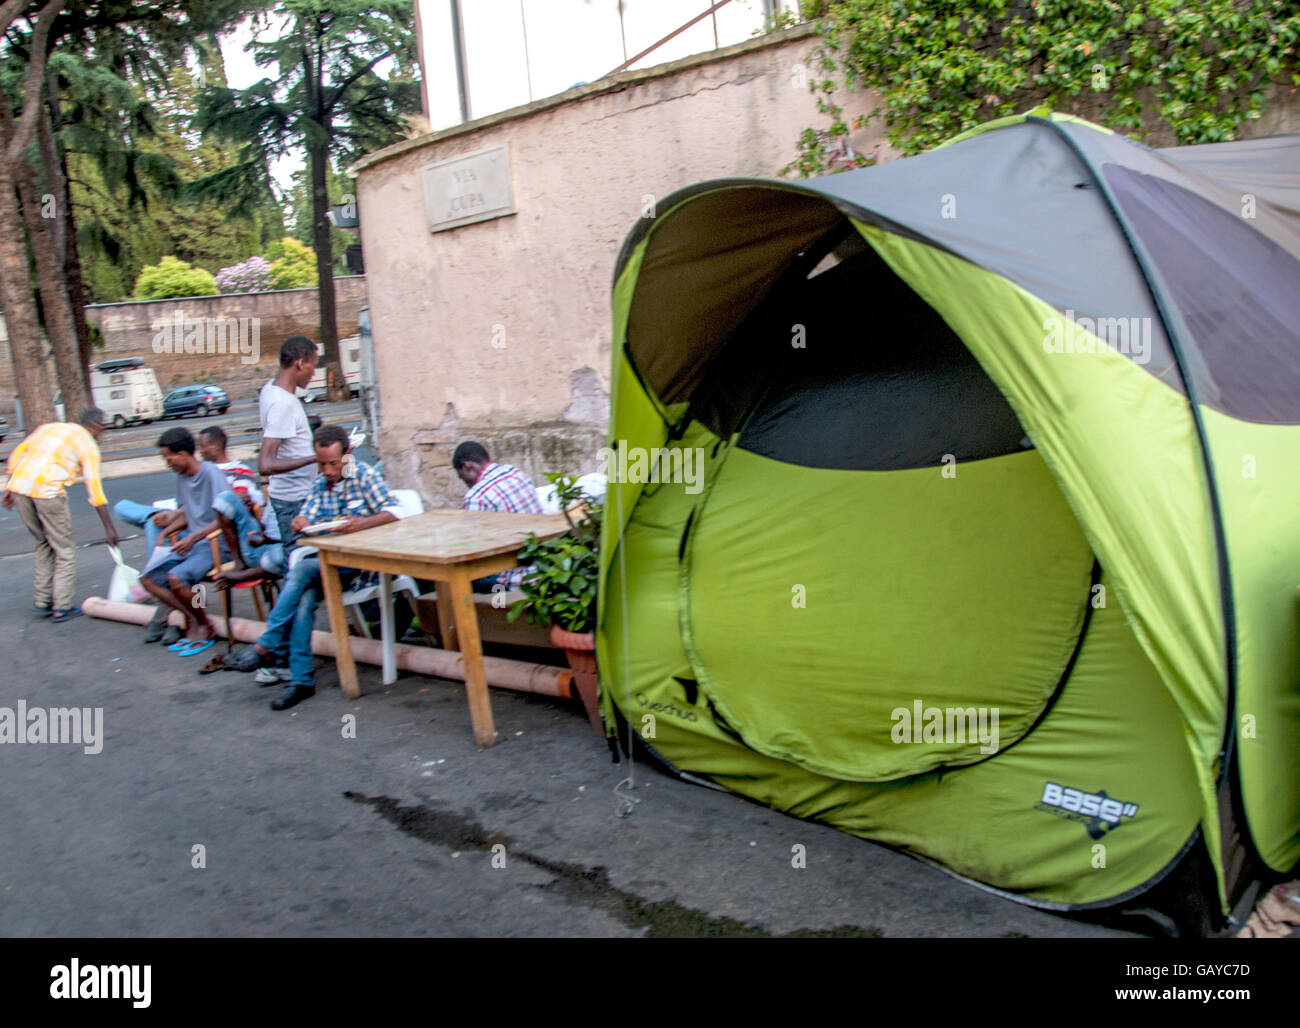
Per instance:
x=408, y=505
x=593, y=487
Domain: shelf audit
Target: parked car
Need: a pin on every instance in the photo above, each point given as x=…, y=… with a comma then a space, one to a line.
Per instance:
x=197, y=399
x=4, y=427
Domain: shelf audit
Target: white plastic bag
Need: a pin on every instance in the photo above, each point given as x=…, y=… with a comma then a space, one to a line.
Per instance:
x=124, y=586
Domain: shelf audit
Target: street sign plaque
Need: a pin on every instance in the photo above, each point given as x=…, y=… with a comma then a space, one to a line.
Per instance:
x=472, y=187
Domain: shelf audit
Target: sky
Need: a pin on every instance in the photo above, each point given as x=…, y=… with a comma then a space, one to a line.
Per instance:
x=522, y=50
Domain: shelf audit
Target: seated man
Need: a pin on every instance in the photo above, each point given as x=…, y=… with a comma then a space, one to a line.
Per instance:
x=173, y=571
x=254, y=545
x=211, y=446
x=347, y=490
x=498, y=487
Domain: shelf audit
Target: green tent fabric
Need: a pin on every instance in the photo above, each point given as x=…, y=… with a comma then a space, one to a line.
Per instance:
x=952, y=504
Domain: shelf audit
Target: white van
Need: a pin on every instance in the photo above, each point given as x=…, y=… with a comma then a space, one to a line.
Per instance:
x=349, y=362
x=126, y=391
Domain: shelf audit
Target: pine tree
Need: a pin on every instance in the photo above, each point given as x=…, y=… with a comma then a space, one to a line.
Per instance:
x=328, y=98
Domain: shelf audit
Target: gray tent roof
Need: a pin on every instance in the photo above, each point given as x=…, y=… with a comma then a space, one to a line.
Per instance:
x=1090, y=222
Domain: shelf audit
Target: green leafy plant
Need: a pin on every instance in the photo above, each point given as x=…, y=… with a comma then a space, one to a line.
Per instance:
x=171, y=277
x=561, y=588
x=296, y=269
x=1197, y=71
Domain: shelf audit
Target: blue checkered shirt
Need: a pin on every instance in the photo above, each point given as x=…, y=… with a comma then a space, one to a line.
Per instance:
x=362, y=494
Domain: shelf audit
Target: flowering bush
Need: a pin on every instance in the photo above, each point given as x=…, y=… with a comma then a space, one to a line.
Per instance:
x=252, y=276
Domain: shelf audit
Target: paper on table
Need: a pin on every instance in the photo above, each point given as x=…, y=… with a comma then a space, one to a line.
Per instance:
x=324, y=526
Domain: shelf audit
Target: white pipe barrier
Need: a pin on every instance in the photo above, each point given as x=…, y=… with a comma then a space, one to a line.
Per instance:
x=501, y=673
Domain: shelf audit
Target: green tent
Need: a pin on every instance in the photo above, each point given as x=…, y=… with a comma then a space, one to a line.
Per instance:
x=954, y=504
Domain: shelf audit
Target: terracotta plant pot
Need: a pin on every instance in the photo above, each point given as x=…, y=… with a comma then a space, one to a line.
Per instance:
x=580, y=650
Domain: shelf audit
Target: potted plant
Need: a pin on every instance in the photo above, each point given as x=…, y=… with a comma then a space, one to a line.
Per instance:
x=560, y=590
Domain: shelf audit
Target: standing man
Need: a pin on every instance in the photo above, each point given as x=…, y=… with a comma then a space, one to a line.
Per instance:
x=40, y=469
x=287, y=457
x=497, y=487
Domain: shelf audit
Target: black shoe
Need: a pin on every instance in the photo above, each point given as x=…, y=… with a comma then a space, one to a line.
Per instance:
x=171, y=635
x=155, y=630
x=294, y=693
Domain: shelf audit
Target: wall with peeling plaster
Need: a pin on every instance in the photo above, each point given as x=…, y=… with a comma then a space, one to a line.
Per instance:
x=536, y=283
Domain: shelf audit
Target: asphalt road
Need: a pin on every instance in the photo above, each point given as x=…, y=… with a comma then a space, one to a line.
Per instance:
x=393, y=832
x=239, y=422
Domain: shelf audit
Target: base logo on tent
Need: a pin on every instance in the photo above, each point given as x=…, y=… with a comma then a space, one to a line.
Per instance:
x=1097, y=811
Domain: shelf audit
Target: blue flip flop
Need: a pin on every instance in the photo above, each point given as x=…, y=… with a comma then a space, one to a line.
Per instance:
x=196, y=649
x=182, y=644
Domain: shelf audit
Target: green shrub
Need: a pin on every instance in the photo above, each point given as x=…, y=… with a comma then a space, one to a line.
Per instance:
x=170, y=278
x=297, y=268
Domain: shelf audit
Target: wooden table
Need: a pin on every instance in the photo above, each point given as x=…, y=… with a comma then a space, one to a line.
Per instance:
x=450, y=547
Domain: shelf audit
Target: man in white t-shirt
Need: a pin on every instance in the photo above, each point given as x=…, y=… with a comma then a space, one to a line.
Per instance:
x=287, y=458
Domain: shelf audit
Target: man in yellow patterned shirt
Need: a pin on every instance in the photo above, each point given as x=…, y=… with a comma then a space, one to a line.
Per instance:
x=40, y=469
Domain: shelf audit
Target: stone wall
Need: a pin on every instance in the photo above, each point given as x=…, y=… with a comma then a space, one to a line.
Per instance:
x=499, y=330
x=130, y=329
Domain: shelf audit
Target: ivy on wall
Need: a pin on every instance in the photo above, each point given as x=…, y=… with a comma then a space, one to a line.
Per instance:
x=1199, y=69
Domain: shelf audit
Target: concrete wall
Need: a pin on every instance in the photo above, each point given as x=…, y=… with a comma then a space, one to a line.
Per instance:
x=500, y=330
x=128, y=331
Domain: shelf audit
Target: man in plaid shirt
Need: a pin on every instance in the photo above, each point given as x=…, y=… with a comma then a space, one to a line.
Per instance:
x=345, y=490
x=497, y=487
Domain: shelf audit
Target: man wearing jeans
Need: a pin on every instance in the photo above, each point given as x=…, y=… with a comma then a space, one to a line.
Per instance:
x=254, y=545
x=287, y=457
x=143, y=516
x=345, y=490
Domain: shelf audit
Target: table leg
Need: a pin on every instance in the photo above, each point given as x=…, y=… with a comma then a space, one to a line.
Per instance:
x=446, y=618
x=386, y=628
x=480, y=707
x=329, y=577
